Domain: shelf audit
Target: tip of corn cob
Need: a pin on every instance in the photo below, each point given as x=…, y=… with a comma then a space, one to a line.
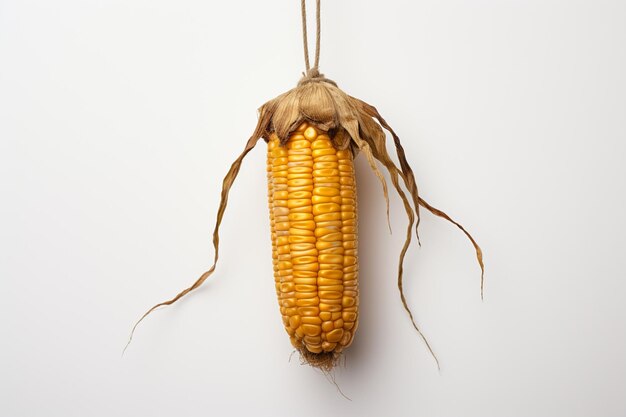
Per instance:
x=325, y=361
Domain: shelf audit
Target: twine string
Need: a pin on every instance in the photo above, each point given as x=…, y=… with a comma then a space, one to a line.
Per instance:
x=311, y=71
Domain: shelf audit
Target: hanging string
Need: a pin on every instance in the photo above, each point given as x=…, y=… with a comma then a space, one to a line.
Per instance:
x=318, y=34
x=304, y=38
x=311, y=71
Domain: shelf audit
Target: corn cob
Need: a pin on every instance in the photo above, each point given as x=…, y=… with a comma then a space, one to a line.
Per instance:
x=313, y=219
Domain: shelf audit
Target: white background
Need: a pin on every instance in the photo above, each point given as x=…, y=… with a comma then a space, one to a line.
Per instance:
x=118, y=120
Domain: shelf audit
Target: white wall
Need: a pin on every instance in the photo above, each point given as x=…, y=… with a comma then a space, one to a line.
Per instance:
x=118, y=120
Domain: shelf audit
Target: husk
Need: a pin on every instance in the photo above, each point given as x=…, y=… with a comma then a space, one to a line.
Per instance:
x=351, y=123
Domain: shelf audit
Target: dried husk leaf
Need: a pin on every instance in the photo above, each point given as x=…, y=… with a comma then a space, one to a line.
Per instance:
x=341, y=138
x=286, y=117
x=317, y=105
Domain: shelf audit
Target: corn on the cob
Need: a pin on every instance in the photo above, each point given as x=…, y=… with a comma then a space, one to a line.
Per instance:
x=312, y=201
x=313, y=131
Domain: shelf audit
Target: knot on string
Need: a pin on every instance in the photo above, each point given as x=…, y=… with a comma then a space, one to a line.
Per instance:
x=313, y=75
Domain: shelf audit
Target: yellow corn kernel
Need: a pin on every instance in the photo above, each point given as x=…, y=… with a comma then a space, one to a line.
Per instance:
x=326, y=191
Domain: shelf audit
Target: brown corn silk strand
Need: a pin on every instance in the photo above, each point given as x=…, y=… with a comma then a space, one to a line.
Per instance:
x=229, y=179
